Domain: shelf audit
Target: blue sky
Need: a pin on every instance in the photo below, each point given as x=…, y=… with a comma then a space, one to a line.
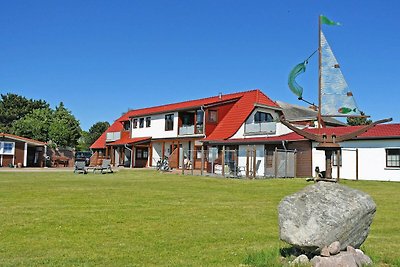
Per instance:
x=102, y=58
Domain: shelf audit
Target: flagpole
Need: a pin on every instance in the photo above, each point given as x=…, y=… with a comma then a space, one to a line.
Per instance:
x=319, y=73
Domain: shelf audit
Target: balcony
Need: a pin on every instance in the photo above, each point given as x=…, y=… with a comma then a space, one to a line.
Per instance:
x=186, y=130
x=260, y=128
x=113, y=136
x=190, y=129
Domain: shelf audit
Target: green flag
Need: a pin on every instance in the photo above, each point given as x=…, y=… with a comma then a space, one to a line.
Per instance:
x=327, y=21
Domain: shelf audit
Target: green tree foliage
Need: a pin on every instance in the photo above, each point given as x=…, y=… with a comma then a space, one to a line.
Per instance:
x=34, y=125
x=354, y=121
x=83, y=142
x=64, y=130
x=97, y=130
x=14, y=107
x=89, y=137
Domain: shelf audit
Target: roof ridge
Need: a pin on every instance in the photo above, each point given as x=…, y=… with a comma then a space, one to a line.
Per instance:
x=198, y=99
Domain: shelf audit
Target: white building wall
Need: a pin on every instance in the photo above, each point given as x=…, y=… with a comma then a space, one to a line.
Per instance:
x=371, y=160
x=157, y=128
x=157, y=153
x=259, y=157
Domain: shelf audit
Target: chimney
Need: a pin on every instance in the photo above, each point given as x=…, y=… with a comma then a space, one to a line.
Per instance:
x=220, y=95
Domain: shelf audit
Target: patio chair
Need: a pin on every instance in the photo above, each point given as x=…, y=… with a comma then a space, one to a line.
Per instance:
x=104, y=167
x=80, y=167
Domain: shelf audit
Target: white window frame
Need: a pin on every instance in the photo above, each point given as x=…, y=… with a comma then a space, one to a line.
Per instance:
x=2, y=146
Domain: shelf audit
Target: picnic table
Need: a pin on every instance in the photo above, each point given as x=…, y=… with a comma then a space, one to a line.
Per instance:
x=58, y=161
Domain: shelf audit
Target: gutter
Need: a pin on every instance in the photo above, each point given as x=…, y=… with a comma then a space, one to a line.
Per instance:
x=130, y=162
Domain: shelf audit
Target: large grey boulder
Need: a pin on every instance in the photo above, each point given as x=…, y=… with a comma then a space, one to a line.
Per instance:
x=323, y=213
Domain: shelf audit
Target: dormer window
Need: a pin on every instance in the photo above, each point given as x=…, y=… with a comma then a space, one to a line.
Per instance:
x=213, y=116
x=127, y=125
x=260, y=117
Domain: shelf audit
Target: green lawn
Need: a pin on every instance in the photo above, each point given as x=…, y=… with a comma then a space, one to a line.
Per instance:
x=145, y=218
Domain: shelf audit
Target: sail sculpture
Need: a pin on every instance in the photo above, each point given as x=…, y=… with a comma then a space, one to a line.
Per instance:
x=336, y=98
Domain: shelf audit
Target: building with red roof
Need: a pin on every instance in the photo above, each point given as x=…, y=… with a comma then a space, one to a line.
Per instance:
x=20, y=151
x=246, y=124
x=150, y=134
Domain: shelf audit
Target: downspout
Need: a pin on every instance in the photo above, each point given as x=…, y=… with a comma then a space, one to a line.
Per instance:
x=130, y=162
x=204, y=121
x=283, y=144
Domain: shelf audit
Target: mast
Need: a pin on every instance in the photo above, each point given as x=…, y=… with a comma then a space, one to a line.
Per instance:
x=319, y=73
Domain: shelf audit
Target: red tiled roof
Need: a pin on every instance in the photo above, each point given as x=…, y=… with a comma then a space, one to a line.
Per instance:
x=24, y=139
x=128, y=140
x=381, y=131
x=239, y=113
x=198, y=103
x=115, y=127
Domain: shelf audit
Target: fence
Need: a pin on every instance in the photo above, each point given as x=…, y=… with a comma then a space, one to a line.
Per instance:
x=249, y=162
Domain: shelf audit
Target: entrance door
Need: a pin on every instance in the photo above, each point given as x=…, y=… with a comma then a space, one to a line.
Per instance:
x=141, y=157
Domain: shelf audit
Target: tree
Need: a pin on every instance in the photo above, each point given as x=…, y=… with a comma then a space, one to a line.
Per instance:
x=14, y=107
x=83, y=141
x=35, y=125
x=354, y=121
x=64, y=130
x=97, y=130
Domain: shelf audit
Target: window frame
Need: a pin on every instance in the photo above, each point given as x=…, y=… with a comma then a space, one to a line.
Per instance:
x=2, y=148
x=397, y=150
x=127, y=125
x=141, y=123
x=210, y=117
x=134, y=123
x=259, y=119
x=169, y=122
x=148, y=122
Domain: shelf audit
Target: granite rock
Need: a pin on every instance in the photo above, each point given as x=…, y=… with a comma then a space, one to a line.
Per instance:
x=323, y=213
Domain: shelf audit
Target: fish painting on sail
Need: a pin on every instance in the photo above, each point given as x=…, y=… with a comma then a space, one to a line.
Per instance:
x=345, y=110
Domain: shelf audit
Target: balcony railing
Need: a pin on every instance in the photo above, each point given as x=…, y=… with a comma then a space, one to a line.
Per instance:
x=113, y=136
x=261, y=128
x=186, y=130
x=190, y=129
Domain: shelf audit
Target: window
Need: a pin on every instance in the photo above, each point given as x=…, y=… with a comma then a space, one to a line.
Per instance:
x=134, y=123
x=7, y=148
x=148, y=121
x=141, y=122
x=199, y=121
x=213, y=116
x=138, y=153
x=187, y=119
x=260, y=117
x=169, y=122
x=393, y=157
x=142, y=153
x=127, y=125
